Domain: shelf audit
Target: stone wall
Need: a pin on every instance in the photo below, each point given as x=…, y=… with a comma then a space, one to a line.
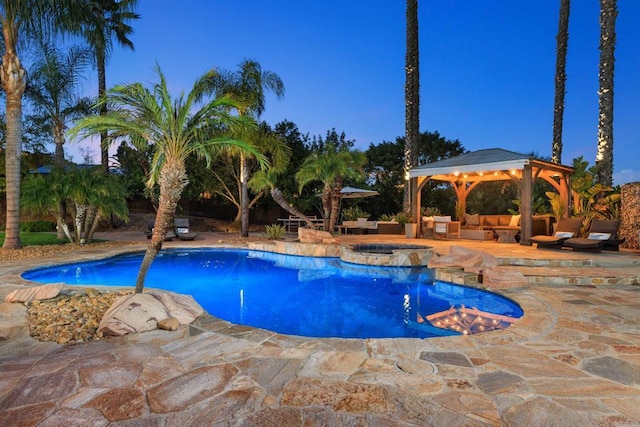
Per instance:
x=630, y=214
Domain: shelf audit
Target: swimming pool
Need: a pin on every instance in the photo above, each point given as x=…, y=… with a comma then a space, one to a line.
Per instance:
x=307, y=296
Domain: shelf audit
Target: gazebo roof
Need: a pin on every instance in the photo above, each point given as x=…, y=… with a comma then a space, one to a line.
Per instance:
x=478, y=164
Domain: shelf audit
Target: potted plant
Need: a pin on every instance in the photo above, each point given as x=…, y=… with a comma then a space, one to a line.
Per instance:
x=406, y=220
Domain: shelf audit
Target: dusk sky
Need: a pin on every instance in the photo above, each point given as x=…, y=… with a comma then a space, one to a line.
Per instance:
x=486, y=67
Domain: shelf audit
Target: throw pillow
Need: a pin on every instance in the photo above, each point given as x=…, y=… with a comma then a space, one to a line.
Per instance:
x=564, y=234
x=472, y=219
x=515, y=221
x=442, y=218
x=599, y=236
x=182, y=230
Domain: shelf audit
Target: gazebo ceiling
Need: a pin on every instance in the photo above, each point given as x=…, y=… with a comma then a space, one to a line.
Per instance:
x=491, y=164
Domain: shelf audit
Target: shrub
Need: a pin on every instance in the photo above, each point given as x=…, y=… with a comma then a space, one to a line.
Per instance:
x=387, y=217
x=275, y=231
x=37, y=226
x=404, y=217
x=353, y=213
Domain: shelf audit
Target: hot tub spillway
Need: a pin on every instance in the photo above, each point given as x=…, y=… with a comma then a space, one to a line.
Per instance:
x=392, y=255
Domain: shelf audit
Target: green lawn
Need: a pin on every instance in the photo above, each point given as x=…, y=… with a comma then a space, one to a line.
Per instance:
x=35, y=239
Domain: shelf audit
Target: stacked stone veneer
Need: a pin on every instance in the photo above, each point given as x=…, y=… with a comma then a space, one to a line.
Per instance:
x=630, y=214
x=399, y=257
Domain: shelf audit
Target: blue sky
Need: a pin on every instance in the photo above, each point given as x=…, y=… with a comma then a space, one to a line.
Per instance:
x=487, y=67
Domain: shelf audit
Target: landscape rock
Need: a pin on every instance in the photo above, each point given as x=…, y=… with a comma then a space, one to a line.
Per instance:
x=470, y=260
x=131, y=314
x=35, y=293
x=170, y=324
x=307, y=235
x=14, y=321
x=182, y=307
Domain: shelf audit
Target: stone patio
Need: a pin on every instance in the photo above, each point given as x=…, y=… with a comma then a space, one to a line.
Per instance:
x=573, y=359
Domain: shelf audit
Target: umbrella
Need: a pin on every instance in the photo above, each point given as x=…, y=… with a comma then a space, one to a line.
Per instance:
x=354, y=193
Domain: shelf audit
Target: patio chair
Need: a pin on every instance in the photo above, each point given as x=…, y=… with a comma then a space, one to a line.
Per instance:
x=444, y=228
x=603, y=234
x=566, y=228
x=149, y=231
x=182, y=229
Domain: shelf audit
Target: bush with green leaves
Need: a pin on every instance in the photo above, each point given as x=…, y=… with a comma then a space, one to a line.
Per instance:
x=275, y=231
x=37, y=226
x=387, y=217
x=404, y=217
x=353, y=213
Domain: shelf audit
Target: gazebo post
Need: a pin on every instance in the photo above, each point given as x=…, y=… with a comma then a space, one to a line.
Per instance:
x=526, y=205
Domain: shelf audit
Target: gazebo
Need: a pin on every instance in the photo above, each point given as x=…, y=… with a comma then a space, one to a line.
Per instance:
x=466, y=171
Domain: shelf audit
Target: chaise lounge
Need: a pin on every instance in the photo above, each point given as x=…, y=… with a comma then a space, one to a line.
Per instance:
x=182, y=229
x=566, y=228
x=603, y=234
x=149, y=231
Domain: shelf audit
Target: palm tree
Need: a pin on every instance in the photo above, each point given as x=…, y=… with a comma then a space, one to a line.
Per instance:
x=604, y=156
x=267, y=179
x=331, y=167
x=562, y=41
x=90, y=195
x=21, y=21
x=177, y=128
x=106, y=20
x=52, y=89
x=249, y=85
x=411, y=98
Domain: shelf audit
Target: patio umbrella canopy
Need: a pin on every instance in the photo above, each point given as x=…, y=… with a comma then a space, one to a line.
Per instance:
x=355, y=193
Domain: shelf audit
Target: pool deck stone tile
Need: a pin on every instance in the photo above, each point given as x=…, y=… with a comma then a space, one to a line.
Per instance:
x=573, y=359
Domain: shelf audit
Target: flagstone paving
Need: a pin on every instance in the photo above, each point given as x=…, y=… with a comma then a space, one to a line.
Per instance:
x=573, y=359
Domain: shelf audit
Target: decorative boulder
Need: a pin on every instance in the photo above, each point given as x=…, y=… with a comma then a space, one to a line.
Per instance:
x=144, y=312
x=132, y=313
x=180, y=306
x=307, y=235
x=470, y=260
x=35, y=293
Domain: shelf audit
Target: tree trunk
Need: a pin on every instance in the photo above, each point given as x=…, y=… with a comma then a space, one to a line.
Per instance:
x=244, y=196
x=102, y=90
x=80, y=219
x=604, y=156
x=277, y=196
x=335, y=209
x=411, y=98
x=97, y=217
x=13, y=82
x=58, y=161
x=562, y=41
x=173, y=179
x=326, y=207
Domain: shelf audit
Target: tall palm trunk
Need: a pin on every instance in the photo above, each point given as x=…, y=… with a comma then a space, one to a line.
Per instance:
x=244, y=196
x=562, y=41
x=604, y=156
x=58, y=160
x=326, y=207
x=411, y=97
x=173, y=179
x=13, y=83
x=102, y=90
x=278, y=197
x=335, y=209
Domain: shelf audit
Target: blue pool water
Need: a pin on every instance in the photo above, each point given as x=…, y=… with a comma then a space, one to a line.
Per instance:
x=314, y=297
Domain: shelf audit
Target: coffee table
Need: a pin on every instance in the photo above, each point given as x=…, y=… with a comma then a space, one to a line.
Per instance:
x=506, y=236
